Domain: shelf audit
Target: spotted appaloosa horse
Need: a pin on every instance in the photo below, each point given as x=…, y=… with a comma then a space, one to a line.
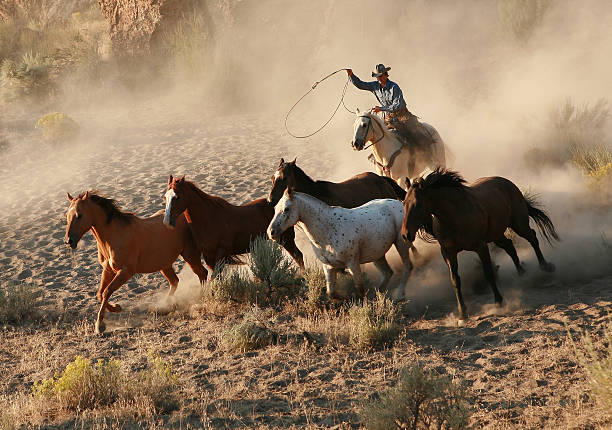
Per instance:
x=128, y=245
x=346, y=238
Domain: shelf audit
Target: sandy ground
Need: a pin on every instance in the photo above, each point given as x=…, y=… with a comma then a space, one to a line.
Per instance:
x=520, y=369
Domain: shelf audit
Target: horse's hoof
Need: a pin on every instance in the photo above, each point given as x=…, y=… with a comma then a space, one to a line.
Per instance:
x=113, y=307
x=498, y=304
x=460, y=322
x=100, y=327
x=548, y=267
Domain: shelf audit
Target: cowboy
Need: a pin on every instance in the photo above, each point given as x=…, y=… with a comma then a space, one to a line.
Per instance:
x=392, y=104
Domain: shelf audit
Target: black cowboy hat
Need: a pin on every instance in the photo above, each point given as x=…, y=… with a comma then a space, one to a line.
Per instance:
x=380, y=70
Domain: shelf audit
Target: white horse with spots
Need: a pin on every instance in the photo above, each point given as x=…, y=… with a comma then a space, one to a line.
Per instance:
x=345, y=238
x=391, y=157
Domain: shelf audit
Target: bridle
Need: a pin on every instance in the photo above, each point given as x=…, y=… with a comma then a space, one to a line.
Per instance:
x=382, y=132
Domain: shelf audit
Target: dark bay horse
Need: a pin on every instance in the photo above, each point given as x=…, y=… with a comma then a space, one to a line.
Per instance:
x=353, y=192
x=128, y=245
x=222, y=230
x=469, y=217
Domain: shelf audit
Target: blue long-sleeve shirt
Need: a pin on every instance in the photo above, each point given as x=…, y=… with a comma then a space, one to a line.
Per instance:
x=390, y=96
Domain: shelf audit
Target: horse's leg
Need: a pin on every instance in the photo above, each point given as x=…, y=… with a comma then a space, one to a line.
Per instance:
x=331, y=275
x=450, y=257
x=355, y=269
x=121, y=277
x=507, y=245
x=529, y=234
x=383, y=266
x=173, y=280
x=487, y=266
x=403, y=249
x=105, y=279
x=193, y=259
x=288, y=242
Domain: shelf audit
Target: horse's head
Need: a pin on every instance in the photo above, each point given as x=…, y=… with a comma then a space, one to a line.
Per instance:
x=362, y=129
x=285, y=215
x=79, y=219
x=175, y=200
x=282, y=179
x=416, y=209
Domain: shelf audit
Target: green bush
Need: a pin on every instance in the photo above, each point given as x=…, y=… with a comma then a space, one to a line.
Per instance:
x=269, y=265
x=26, y=78
x=314, y=278
x=57, y=127
x=520, y=18
x=18, y=302
x=372, y=323
x=250, y=334
x=420, y=400
x=83, y=385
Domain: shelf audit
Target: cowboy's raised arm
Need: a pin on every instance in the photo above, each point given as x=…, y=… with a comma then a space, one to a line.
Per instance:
x=367, y=86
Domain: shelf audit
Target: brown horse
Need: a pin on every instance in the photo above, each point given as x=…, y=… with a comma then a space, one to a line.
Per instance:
x=469, y=217
x=222, y=230
x=353, y=192
x=128, y=245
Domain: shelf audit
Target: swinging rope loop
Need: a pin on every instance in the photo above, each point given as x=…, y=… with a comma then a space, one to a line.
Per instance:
x=341, y=102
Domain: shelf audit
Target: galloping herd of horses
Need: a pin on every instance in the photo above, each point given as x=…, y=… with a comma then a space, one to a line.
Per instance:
x=347, y=223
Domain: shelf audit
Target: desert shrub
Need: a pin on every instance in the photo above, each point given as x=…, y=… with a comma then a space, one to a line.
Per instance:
x=420, y=400
x=26, y=77
x=249, y=334
x=520, y=18
x=86, y=385
x=18, y=302
x=314, y=279
x=371, y=324
x=57, y=126
x=274, y=277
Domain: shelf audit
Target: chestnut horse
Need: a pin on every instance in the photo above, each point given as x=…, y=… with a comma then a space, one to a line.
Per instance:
x=469, y=217
x=128, y=245
x=351, y=193
x=222, y=230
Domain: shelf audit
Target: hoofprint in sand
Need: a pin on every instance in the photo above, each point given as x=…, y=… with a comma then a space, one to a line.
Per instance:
x=521, y=372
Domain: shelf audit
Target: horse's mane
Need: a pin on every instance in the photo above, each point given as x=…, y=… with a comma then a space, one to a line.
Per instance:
x=298, y=172
x=215, y=200
x=441, y=177
x=110, y=207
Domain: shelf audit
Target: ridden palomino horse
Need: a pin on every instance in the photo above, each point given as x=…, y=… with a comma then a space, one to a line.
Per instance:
x=128, y=245
x=391, y=157
x=346, y=238
x=469, y=217
x=222, y=230
x=351, y=193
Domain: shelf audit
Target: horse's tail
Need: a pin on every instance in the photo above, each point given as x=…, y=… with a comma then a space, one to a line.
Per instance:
x=545, y=225
x=399, y=191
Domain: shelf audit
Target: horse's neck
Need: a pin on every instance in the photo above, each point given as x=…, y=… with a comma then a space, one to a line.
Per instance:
x=198, y=204
x=387, y=145
x=103, y=231
x=314, y=217
x=304, y=183
x=448, y=203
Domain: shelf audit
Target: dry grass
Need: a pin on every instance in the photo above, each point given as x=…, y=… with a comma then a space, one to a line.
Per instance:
x=249, y=334
x=520, y=18
x=420, y=400
x=372, y=323
x=18, y=302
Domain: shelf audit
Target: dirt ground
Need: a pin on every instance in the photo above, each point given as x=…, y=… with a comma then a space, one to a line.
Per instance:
x=520, y=369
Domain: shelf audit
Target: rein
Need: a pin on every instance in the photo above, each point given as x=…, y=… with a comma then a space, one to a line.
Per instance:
x=385, y=169
x=341, y=102
x=382, y=132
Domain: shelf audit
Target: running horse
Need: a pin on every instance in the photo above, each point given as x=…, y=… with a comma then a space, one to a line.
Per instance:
x=391, y=156
x=222, y=230
x=469, y=217
x=128, y=245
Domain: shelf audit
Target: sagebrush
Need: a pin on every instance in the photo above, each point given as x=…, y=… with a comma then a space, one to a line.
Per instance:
x=372, y=323
x=18, y=302
x=249, y=334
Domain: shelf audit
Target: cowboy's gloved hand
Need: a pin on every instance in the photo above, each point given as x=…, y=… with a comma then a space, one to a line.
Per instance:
x=349, y=72
x=377, y=109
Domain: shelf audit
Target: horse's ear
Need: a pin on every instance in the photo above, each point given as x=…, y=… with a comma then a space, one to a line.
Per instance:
x=281, y=162
x=357, y=111
x=181, y=179
x=290, y=192
x=69, y=197
x=294, y=160
x=170, y=179
x=407, y=182
x=86, y=196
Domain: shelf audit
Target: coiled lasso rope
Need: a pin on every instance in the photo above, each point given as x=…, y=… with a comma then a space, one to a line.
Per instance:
x=341, y=102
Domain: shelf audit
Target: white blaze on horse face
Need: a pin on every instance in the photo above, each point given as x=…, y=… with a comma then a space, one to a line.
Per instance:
x=170, y=194
x=276, y=175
